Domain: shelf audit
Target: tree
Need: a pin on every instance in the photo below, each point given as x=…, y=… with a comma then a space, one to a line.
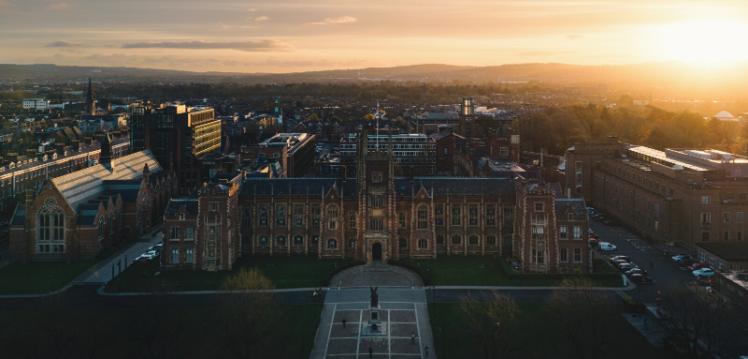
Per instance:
x=495, y=323
x=583, y=316
x=248, y=312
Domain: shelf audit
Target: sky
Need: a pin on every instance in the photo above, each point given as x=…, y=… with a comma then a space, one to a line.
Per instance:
x=304, y=35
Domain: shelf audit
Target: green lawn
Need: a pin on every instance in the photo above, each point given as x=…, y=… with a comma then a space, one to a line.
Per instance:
x=36, y=278
x=284, y=272
x=531, y=335
x=479, y=270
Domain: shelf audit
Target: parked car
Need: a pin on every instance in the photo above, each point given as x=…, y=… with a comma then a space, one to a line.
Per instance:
x=698, y=265
x=607, y=246
x=641, y=279
x=626, y=266
x=148, y=256
x=618, y=262
x=617, y=257
x=635, y=270
x=703, y=273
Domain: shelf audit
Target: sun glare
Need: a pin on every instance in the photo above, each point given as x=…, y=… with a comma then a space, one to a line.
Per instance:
x=709, y=42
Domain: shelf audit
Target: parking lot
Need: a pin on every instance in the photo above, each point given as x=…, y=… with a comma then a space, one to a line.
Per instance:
x=661, y=268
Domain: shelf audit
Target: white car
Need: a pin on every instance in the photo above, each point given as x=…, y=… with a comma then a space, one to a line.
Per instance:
x=703, y=273
x=607, y=246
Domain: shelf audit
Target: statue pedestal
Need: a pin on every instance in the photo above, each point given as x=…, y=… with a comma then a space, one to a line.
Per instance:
x=374, y=326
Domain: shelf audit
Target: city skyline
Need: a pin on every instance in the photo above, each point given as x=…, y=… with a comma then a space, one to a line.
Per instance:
x=290, y=36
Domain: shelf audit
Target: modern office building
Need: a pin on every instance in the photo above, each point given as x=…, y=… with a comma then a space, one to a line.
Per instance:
x=179, y=136
x=414, y=154
x=294, y=151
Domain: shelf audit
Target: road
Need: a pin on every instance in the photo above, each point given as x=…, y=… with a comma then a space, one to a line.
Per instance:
x=661, y=268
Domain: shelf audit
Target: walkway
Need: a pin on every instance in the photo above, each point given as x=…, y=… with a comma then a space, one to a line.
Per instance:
x=376, y=275
x=108, y=269
x=403, y=316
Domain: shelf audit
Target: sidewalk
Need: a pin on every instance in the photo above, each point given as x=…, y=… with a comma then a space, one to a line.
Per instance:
x=108, y=269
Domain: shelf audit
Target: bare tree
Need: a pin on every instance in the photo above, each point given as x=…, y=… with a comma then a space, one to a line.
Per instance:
x=248, y=311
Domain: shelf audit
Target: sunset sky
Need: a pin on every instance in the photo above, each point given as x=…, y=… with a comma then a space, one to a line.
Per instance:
x=301, y=35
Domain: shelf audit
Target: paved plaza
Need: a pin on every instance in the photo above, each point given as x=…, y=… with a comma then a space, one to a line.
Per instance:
x=404, y=327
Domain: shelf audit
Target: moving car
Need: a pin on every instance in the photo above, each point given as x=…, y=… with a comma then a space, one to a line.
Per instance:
x=607, y=246
x=703, y=273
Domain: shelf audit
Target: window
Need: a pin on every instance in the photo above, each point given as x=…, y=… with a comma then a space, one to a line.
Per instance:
x=577, y=255
x=739, y=217
x=175, y=256
x=262, y=214
x=491, y=240
x=456, y=215
x=351, y=219
x=189, y=258
x=538, y=232
x=439, y=214
x=263, y=242
x=726, y=236
x=577, y=233
x=352, y=243
x=376, y=177
x=705, y=200
x=332, y=217
x=280, y=215
x=456, y=240
x=376, y=223
x=563, y=255
x=332, y=244
x=174, y=232
x=101, y=229
x=51, y=230
x=706, y=217
x=423, y=216
x=401, y=220
x=298, y=215
x=473, y=215
x=377, y=201
x=539, y=253
x=298, y=240
x=562, y=232
x=473, y=240
x=490, y=215
x=539, y=218
x=280, y=241
x=423, y=244
x=315, y=215
x=539, y=207
x=189, y=233
x=315, y=240
x=726, y=217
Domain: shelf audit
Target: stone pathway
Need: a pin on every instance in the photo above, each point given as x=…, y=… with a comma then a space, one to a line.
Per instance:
x=376, y=275
x=402, y=313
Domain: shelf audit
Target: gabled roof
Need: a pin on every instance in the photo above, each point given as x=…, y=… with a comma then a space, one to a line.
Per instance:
x=78, y=186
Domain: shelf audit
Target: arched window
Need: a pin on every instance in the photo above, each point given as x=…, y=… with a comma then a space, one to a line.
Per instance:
x=50, y=229
x=456, y=240
x=423, y=244
x=332, y=217
x=473, y=240
x=280, y=241
x=332, y=244
x=423, y=217
x=491, y=240
x=263, y=241
x=298, y=240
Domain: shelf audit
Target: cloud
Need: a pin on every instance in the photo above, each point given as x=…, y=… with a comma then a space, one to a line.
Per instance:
x=249, y=46
x=336, y=20
x=58, y=5
x=63, y=44
x=260, y=18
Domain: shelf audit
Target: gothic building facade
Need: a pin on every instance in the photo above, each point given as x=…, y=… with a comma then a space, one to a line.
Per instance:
x=379, y=217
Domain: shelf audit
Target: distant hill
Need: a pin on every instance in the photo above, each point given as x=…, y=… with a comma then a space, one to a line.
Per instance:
x=641, y=77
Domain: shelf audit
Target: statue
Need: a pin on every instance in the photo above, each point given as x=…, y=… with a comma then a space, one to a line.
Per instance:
x=374, y=297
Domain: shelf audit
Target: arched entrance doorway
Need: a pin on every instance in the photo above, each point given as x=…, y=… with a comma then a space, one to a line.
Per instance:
x=376, y=252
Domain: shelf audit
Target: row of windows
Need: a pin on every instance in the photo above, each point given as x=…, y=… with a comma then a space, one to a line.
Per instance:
x=576, y=232
x=576, y=256
x=188, y=256
x=705, y=236
x=177, y=233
